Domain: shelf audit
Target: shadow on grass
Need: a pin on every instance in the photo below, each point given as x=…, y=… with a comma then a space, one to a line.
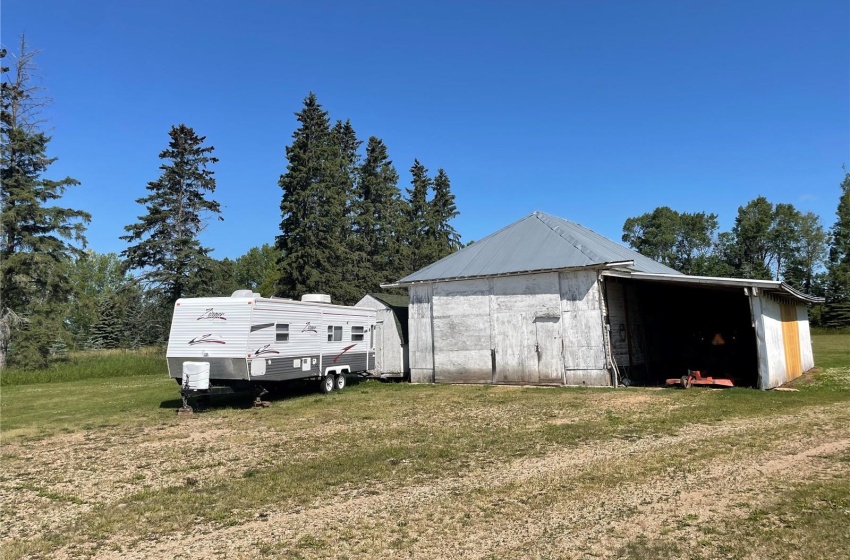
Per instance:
x=278, y=392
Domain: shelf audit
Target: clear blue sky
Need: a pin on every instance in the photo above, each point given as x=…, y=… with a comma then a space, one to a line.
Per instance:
x=594, y=111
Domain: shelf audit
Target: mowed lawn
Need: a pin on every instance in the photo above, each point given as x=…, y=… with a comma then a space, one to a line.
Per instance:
x=104, y=468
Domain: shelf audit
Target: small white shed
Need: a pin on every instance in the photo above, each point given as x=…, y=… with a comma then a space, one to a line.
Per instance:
x=391, y=355
x=547, y=301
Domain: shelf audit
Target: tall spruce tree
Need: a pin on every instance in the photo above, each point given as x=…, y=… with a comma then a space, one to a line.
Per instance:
x=442, y=210
x=37, y=234
x=837, y=308
x=164, y=244
x=314, y=207
x=352, y=260
x=416, y=228
x=378, y=215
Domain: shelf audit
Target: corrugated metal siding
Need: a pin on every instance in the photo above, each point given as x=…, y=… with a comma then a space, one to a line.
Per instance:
x=791, y=340
x=806, y=356
x=775, y=357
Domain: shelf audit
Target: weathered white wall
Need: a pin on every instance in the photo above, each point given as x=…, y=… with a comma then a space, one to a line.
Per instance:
x=584, y=342
x=536, y=328
x=618, y=295
x=421, y=349
x=772, y=358
x=806, y=356
x=462, y=332
x=389, y=348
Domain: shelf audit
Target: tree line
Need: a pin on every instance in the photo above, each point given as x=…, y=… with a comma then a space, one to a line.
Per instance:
x=346, y=228
x=767, y=241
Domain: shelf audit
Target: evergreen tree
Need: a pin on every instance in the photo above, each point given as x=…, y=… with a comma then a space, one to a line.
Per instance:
x=837, y=308
x=106, y=333
x=315, y=221
x=164, y=243
x=37, y=235
x=416, y=228
x=378, y=215
x=442, y=210
x=90, y=275
x=352, y=260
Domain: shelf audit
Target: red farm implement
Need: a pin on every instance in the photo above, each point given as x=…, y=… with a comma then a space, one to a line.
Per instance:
x=695, y=377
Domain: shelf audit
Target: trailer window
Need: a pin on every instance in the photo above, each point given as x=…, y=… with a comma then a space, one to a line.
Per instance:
x=334, y=334
x=282, y=332
x=356, y=334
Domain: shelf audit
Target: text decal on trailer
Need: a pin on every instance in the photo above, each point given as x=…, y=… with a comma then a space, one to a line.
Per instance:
x=310, y=328
x=212, y=314
x=207, y=339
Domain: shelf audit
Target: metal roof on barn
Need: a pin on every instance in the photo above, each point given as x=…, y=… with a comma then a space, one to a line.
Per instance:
x=535, y=243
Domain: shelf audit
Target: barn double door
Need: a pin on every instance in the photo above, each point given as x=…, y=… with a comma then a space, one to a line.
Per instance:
x=530, y=354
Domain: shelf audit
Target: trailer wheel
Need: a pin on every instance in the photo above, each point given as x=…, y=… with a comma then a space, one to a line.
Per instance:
x=326, y=384
x=686, y=382
x=339, y=381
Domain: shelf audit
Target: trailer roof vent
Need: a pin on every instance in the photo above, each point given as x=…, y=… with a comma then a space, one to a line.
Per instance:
x=316, y=298
x=243, y=293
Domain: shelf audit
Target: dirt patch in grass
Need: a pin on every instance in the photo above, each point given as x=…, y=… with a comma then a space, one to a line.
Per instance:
x=427, y=472
x=618, y=497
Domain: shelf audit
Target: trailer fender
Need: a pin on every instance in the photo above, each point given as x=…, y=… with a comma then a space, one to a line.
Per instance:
x=337, y=370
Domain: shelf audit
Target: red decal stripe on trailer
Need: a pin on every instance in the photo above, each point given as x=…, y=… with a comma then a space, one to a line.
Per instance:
x=344, y=350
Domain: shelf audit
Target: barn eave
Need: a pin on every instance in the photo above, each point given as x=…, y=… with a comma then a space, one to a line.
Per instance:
x=774, y=286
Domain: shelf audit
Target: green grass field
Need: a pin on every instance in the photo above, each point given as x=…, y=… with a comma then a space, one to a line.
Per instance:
x=432, y=471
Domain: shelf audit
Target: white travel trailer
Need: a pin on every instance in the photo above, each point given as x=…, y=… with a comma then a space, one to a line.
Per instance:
x=246, y=340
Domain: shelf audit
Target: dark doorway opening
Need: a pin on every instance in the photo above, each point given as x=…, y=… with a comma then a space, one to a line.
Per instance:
x=681, y=328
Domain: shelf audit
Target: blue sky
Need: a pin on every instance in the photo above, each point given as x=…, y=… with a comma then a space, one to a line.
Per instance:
x=594, y=111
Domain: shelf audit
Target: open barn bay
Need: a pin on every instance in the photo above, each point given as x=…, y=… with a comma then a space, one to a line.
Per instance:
x=103, y=468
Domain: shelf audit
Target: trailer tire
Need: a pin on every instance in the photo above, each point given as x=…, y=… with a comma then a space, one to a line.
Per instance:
x=686, y=382
x=339, y=381
x=326, y=384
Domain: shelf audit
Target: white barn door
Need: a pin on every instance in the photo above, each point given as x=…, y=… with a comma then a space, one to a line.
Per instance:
x=515, y=341
x=549, y=350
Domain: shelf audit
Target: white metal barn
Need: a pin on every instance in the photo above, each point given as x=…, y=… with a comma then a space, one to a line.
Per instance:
x=391, y=356
x=547, y=301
